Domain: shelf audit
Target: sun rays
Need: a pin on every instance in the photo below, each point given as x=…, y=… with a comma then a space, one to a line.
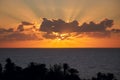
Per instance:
x=16, y=11
x=75, y=18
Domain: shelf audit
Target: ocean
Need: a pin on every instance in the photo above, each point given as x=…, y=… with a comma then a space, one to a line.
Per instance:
x=87, y=61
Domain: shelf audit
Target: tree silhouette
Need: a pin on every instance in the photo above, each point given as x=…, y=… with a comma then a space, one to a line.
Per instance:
x=36, y=71
x=55, y=73
x=103, y=76
x=65, y=67
x=10, y=66
x=73, y=74
x=9, y=70
x=73, y=71
x=0, y=71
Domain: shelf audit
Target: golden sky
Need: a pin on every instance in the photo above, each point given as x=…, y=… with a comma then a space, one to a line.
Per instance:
x=29, y=13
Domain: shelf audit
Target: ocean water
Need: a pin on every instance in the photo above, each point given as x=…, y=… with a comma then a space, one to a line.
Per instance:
x=87, y=61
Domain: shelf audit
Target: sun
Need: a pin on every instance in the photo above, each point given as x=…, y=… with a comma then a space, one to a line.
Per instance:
x=61, y=36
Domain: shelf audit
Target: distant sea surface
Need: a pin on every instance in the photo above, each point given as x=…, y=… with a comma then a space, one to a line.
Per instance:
x=87, y=61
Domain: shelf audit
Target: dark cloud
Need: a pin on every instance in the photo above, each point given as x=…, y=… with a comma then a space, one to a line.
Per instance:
x=10, y=30
x=93, y=27
x=23, y=23
x=20, y=28
x=53, y=29
x=116, y=30
x=26, y=23
x=49, y=36
x=19, y=36
x=98, y=34
x=60, y=26
x=2, y=30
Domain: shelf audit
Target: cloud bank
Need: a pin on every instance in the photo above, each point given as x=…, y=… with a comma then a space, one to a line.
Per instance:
x=91, y=29
x=62, y=26
x=21, y=33
x=59, y=29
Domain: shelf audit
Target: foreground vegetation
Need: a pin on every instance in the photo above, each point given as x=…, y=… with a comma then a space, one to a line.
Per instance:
x=40, y=72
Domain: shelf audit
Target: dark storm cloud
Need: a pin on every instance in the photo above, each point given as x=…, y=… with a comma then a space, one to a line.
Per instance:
x=60, y=26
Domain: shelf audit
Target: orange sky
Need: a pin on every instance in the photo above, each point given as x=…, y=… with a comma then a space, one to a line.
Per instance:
x=75, y=43
x=13, y=12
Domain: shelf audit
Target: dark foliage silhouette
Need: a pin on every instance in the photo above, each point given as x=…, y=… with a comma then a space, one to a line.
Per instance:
x=36, y=71
x=0, y=71
x=65, y=68
x=102, y=76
